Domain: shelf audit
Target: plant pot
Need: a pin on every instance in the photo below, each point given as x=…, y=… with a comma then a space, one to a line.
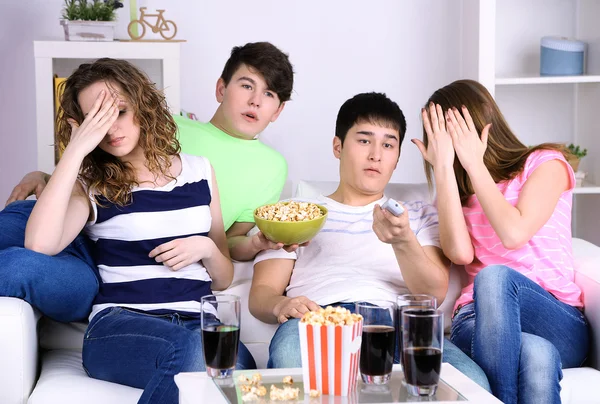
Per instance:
x=574, y=162
x=89, y=30
x=579, y=178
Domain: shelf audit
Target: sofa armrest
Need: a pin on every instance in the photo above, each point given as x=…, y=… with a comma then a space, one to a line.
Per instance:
x=587, y=277
x=18, y=350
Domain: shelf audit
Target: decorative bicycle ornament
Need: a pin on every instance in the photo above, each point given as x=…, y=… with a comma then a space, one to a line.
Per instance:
x=137, y=28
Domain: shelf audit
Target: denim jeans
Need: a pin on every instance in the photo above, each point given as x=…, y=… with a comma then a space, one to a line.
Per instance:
x=62, y=287
x=147, y=351
x=520, y=335
x=284, y=351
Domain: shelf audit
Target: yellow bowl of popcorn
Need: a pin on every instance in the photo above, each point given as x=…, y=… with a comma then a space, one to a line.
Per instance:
x=290, y=222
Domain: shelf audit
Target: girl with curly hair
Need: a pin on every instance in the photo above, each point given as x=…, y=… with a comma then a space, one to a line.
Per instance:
x=505, y=214
x=155, y=220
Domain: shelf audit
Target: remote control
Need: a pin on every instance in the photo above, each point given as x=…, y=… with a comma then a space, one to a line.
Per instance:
x=393, y=207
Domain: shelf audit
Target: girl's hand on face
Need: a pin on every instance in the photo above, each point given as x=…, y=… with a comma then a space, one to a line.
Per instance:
x=87, y=136
x=439, y=151
x=182, y=252
x=467, y=144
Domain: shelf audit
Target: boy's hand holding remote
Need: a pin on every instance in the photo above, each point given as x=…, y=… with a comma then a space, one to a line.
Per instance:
x=390, y=224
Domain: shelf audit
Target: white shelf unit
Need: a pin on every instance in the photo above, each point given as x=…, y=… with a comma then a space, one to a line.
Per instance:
x=501, y=49
x=161, y=61
x=508, y=81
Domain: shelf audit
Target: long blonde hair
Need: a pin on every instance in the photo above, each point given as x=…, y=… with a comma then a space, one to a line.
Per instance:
x=505, y=155
x=100, y=171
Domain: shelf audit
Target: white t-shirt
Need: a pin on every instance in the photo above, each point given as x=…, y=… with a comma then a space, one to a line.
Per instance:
x=346, y=262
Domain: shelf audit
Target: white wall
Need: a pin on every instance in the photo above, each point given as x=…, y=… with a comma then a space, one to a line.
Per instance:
x=338, y=48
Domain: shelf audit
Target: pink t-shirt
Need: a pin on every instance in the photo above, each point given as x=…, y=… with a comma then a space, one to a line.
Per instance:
x=547, y=258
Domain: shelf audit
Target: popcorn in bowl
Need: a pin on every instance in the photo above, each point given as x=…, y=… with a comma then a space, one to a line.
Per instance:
x=290, y=211
x=330, y=348
x=290, y=222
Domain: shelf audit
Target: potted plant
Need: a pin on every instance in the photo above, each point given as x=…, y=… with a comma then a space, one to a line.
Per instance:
x=90, y=20
x=576, y=155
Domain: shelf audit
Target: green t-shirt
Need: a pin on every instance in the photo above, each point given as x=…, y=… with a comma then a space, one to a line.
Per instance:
x=249, y=173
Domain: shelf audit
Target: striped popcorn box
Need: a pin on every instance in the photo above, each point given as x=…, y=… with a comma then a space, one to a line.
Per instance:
x=330, y=355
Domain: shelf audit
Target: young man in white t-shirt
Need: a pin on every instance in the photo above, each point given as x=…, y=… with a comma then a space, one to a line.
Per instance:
x=363, y=253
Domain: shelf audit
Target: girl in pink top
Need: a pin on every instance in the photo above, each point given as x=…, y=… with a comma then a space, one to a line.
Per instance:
x=505, y=214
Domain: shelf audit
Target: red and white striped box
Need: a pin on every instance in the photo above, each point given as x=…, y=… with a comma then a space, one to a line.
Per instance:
x=330, y=357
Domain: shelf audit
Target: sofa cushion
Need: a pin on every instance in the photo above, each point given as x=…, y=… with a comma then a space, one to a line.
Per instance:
x=18, y=349
x=63, y=380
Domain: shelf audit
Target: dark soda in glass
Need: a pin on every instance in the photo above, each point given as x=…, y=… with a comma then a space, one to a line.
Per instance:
x=422, y=366
x=220, y=346
x=377, y=350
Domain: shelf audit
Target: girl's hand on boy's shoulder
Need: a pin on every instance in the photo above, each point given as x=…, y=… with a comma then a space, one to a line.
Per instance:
x=388, y=228
x=181, y=252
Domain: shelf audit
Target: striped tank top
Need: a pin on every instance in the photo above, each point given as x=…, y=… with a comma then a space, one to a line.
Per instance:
x=124, y=236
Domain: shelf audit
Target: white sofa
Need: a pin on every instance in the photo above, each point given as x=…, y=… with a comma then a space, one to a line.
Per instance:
x=40, y=360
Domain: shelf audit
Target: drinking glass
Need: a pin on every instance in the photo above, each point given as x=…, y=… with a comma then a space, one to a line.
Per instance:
x=378, y=341
x=220, y=322
x=423, y=340
x=411, y=301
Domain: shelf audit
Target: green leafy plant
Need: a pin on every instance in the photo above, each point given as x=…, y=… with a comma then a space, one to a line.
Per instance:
x=91, y=10
x=576, y=151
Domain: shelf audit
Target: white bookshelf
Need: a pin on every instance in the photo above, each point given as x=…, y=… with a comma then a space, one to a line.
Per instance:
x=508, y=81
x=587, y=188
x=501, y=49
x=161, y=61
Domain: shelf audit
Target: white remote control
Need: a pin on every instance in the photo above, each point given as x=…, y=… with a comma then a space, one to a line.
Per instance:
x=393, y=207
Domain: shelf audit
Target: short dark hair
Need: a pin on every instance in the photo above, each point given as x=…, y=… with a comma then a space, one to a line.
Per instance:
x=375, y=108
x=269, y=61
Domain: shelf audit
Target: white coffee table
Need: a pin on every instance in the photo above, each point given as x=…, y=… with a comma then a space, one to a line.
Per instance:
x=197, y=387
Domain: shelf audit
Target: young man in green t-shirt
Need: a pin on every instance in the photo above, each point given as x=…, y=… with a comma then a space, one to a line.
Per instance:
x=255, y=84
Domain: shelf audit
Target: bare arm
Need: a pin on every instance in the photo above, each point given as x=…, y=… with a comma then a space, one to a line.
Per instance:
x=245, y=248
x=242, y=247
x=267, y=301
x=424, y=269
x=516, y=225
x=219, y=265
x=32, y=183
x=454, y=236
x=49, y=228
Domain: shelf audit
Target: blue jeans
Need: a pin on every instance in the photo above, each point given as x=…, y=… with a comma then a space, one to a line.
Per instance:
x=62, y=287
x=147, y=351
x=284, y=351
x=520, y=335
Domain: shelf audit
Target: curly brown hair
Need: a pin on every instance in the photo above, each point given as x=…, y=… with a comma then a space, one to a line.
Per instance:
x=100, y=171
x=505, y=155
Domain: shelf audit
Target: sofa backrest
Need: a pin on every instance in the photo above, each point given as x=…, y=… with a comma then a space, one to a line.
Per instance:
x=398, y=191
